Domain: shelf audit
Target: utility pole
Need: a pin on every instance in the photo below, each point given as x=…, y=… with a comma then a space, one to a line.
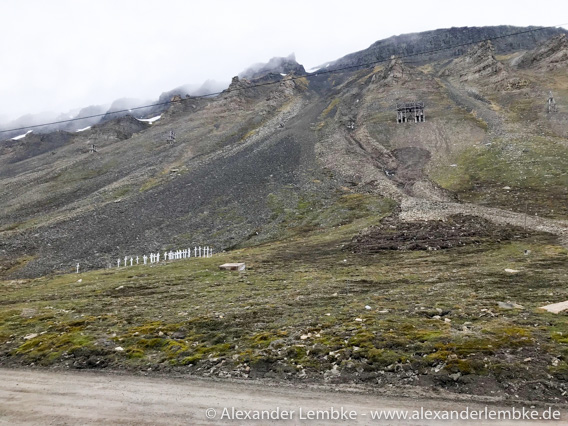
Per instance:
x=551, y=106
x=171, y=138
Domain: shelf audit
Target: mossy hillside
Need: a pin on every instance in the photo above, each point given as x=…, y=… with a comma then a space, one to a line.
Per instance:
x=520, y=174
x=13, y=265
x=119, y=193
x=78, y=173
x=331, y=107
x=304, y=307
x=302, y=83
x=294, y=212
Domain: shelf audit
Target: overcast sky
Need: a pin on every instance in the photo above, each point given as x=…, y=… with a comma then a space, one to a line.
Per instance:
x=59, y=55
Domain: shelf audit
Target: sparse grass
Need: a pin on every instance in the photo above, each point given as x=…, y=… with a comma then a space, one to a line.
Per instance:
x=119, y=192
x=505, y=58
x=302, y=83
x=427, y=69
x=298, y=213
x=301, y=306
x=332, y=105
x=79, y=173
x=16, y=264
x=320, y=125
x=149, y=184
x=11, y=226
x=250, y=133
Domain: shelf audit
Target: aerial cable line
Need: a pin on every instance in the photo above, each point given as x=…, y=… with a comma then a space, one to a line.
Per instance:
x=315, y=74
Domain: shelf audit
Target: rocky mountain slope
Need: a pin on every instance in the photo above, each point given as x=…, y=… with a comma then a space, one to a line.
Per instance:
x=437, y=42
x=257, y=164
x=274, y=66
x=98, y=114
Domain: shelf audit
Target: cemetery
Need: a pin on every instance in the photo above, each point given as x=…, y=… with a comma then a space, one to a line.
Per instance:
x=165, y=256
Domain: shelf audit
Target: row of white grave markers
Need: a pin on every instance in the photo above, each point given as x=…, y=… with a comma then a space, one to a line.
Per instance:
x=167, y=255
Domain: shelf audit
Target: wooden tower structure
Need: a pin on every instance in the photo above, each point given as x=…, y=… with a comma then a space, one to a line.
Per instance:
x=408, y=112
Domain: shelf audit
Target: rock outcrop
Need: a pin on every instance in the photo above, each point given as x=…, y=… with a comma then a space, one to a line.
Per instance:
x=395, y=72
x=552, y=53
x=439, y=44
x=478, y=63
x=277, y=65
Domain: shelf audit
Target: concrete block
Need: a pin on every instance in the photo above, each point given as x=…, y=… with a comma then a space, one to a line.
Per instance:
x=233, y=266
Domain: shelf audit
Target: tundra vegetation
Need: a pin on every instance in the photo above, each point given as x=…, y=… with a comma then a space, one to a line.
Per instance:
x=382, y=254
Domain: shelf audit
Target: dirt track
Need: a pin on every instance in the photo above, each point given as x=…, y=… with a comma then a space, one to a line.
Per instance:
x=421, y=209
x=40, y=397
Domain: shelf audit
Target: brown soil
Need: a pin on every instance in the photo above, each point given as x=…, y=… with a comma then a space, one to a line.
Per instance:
x=456, y=230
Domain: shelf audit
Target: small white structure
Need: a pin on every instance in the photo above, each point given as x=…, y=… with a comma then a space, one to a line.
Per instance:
x=556, y=308
x=232, y=266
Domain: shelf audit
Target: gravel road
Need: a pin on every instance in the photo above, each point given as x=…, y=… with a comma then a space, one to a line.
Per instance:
x=57, y=398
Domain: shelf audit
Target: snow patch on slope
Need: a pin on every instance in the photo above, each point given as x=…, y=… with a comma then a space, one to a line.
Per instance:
x=150, y=120
x=17, y=138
